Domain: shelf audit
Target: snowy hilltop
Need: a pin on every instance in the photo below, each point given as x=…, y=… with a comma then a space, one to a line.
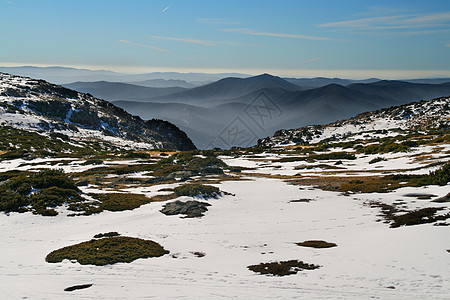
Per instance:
x=417, y=116
x=42, y=107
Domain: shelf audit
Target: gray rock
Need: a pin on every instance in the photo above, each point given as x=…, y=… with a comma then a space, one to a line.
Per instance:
x=191, y=209
x=182, y=175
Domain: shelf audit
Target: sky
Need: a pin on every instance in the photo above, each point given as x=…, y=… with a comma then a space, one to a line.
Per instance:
x=330, y=38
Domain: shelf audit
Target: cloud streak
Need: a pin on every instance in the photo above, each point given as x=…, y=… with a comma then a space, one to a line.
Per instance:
x=191, y=41
x=142, y=45
x=271, y=34
x=394, y=22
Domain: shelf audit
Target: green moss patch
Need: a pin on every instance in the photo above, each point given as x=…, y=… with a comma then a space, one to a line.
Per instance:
x=121, y=201
x=316, y=244
x=39, y=192
x=108, y=251
x=282, y=268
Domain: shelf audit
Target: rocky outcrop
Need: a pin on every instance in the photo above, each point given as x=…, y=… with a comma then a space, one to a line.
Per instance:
x=191, y=209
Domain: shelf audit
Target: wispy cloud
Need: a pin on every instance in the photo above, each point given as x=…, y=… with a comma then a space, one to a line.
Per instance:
x=142, y=45
x=271, y=34
x=192, y=41
x=417, y=32
x=394, y=22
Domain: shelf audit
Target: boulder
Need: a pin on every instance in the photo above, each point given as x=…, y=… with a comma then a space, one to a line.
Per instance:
x=191, y=209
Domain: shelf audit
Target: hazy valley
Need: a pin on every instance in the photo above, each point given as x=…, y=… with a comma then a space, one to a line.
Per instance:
x=259, y=105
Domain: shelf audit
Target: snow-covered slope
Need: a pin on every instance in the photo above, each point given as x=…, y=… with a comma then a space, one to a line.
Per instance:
x=37, y=105
x=422, y=116
x=262, y=222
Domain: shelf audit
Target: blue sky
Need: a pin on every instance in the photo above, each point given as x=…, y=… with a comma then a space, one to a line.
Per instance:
x=353, y=39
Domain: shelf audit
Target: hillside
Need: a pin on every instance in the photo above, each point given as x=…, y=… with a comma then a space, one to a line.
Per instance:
x=417, y=116
x=42, y=107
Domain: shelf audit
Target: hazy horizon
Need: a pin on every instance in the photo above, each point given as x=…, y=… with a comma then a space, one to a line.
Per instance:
x=350, y=39
x=342, y=74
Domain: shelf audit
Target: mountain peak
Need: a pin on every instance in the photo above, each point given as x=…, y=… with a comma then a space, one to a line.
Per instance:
x=266, y=75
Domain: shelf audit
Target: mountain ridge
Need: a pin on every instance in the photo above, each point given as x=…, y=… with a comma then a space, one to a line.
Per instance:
x=40, y=106
x=119, y=90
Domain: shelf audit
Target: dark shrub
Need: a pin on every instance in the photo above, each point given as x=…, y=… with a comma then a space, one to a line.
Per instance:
x=107, y=251
x=316, y=244
x=282, y=268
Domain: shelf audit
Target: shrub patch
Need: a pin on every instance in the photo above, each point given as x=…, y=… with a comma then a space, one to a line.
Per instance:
x=282, y=268
x=42, y=192
x=108, y=251
x=316, y=244
x=408, y=218
x=121, y=201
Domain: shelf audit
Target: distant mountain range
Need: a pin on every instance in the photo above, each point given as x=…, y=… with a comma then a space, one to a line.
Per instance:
x=119, y=91
x=236, y=111
x=419, y=116
x=63, y=75
x=263, y=104
x=36, y=105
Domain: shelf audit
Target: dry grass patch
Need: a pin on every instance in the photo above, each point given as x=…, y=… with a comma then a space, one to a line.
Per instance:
x=422, y=158
x=161, y=198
